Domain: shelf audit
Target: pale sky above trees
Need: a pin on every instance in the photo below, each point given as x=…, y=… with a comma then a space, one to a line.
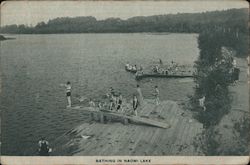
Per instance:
x=30, y=13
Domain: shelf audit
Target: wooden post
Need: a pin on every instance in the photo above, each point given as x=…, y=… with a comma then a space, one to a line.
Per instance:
x=92, y=116
x=101, y=117
x=108, y=118
x=125, y=121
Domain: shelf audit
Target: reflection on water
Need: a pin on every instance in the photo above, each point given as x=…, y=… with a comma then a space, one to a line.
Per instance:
x=32, y=102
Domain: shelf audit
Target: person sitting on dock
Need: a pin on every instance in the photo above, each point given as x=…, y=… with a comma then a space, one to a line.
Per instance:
x=68, y=92
x=91, y=103
x=110, y=93
x=135, y=104
x=43, y=149
x=119, y=102
x=157, y=93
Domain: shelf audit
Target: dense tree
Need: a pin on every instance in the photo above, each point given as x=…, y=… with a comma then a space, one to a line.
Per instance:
x=233, y=19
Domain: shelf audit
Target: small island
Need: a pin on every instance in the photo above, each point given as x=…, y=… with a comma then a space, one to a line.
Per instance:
x=2, y=38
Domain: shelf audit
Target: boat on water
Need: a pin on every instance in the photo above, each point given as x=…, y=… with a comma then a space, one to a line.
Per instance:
x=130, y=69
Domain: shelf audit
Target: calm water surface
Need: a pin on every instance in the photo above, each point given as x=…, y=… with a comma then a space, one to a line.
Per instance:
x=32, y=102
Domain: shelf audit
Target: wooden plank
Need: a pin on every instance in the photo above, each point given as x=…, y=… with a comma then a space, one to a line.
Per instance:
x=96, y=145
x=110, y=143
x=149, y=122
x=132, y=118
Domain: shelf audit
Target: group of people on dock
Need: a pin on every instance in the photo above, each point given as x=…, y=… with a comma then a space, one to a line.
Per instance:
x=116, y=102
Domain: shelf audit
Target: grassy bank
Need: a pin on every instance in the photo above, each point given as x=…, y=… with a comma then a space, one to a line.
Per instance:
x=213, y=78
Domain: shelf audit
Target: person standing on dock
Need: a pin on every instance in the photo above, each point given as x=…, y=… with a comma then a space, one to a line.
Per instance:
x=91, y=103
x=68, y=92
x=157, y=93
x=119, y=103
x=135, y=104
x=138, y=89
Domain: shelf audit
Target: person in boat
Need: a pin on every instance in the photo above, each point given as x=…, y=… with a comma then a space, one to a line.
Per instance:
x=135, y=104
x=43, y=149
x=139, y=92
x=119, y=102
x=127, y=65
x=134, y=68
x=68, y=92
x=130, y=67
x=157, y=93
x=141, y=68
x=91, y=103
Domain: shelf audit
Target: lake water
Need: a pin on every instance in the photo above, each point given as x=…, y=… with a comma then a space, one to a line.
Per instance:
x=32, y=67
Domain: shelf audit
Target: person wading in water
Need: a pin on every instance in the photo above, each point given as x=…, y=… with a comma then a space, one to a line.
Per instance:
x=43, y=149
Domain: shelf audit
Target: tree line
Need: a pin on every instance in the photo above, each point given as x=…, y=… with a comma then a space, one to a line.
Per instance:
x=234, y=20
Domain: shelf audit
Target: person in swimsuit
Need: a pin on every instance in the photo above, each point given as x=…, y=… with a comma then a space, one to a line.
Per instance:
x=112, y=100
x=91, y=103
x=135, y=104
x=157, y=93
x=138, y=89
x=68, y=92
x=119, y=102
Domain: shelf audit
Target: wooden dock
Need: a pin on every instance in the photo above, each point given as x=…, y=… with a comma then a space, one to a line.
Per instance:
x=108, y=115
x=183, y=75
x=115, y=138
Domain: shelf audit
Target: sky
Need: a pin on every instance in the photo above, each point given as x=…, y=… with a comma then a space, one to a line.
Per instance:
x=32, y=12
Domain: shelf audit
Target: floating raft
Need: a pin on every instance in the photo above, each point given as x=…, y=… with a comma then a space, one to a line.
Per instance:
x=103, y=115
x=184, y=75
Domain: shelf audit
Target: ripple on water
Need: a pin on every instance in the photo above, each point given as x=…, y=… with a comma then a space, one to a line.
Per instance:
x=34, y=66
